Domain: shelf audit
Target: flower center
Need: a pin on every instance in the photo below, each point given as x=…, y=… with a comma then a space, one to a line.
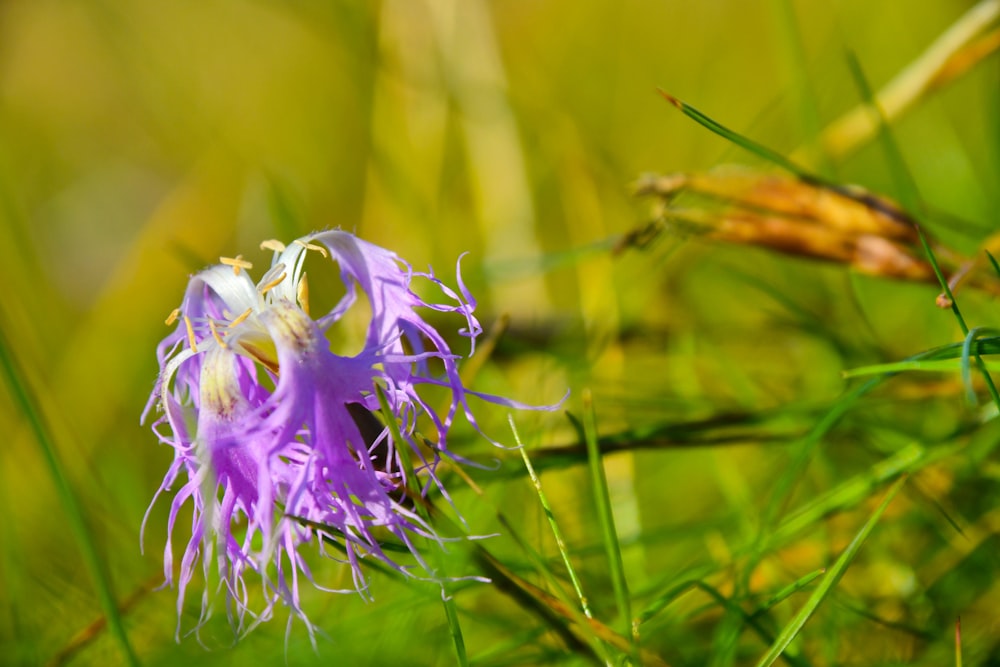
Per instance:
x=291, y=328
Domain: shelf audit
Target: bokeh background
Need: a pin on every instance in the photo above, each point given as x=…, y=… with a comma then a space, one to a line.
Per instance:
x=139, y=141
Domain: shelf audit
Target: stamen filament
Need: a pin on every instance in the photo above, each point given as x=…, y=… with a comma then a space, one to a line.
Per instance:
x=190, y=331
x=263, y=289
x=215, y=334
x=245, y=314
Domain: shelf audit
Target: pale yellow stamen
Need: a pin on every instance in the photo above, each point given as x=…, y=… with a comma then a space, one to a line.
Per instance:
x=245, y=314
x=263, y=289
x=215, y=334
x=271, y=244
x=312, y=246
x=237, y=263
x=172, y=317
x=190, y=330
x=303, y=294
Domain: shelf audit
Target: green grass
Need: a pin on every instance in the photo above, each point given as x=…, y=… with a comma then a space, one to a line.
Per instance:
x=764, y=459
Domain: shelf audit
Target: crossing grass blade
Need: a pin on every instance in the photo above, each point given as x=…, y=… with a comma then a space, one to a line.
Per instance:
x=786, y=482
x=730, y=631
x=853, y=491
x=829, y=580
x=791, y=589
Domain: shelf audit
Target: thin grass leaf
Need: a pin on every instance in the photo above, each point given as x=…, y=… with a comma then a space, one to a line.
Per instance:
x=967, y=352
x=667, y=598
x=405, y=457
x=909, y=196
x=830, y=579
x=795, y=60
x=954, y=350
x=940, y=366
x=746, y=143
x=993, y=262
x=855, y=490
x=986, y=346
x=22, y=393
x=936, y=359
x=958, y=642
x=605, y=516
x=906, y=186
x=510, y=651
x=450, y=611
x=558, y=614
x=950, y=56
x=726, y=634
x=455, y=629
x=89, y=634
x=18, y=637
x=790, y=590
x=739, y=618
x=554, y=608
x=731, y=607
x=556, y=533
x=792, y=473
x=868, y=615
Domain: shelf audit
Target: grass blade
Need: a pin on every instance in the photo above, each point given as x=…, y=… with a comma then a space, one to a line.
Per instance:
x=833, y=575
x=906, y=187
x=556, y=533
x=958, y=642
x=950, y=56
x=455, y=629
x=909, y=197
x=738, y=618
x=560, y=615
x=855, y=490
x=800, y=456
x=790, y=590
x=932, y=366
x=743, y=142
x=28, y=403
x=599, y=482
x=402, y=446
x=795, y=59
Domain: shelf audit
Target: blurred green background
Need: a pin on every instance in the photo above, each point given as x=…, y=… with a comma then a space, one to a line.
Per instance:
x=139, y=141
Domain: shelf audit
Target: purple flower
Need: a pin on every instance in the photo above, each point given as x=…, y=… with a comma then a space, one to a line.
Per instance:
x=273, y=435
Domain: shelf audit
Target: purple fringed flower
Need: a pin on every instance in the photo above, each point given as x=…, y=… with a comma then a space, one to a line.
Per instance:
x=264, y=418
